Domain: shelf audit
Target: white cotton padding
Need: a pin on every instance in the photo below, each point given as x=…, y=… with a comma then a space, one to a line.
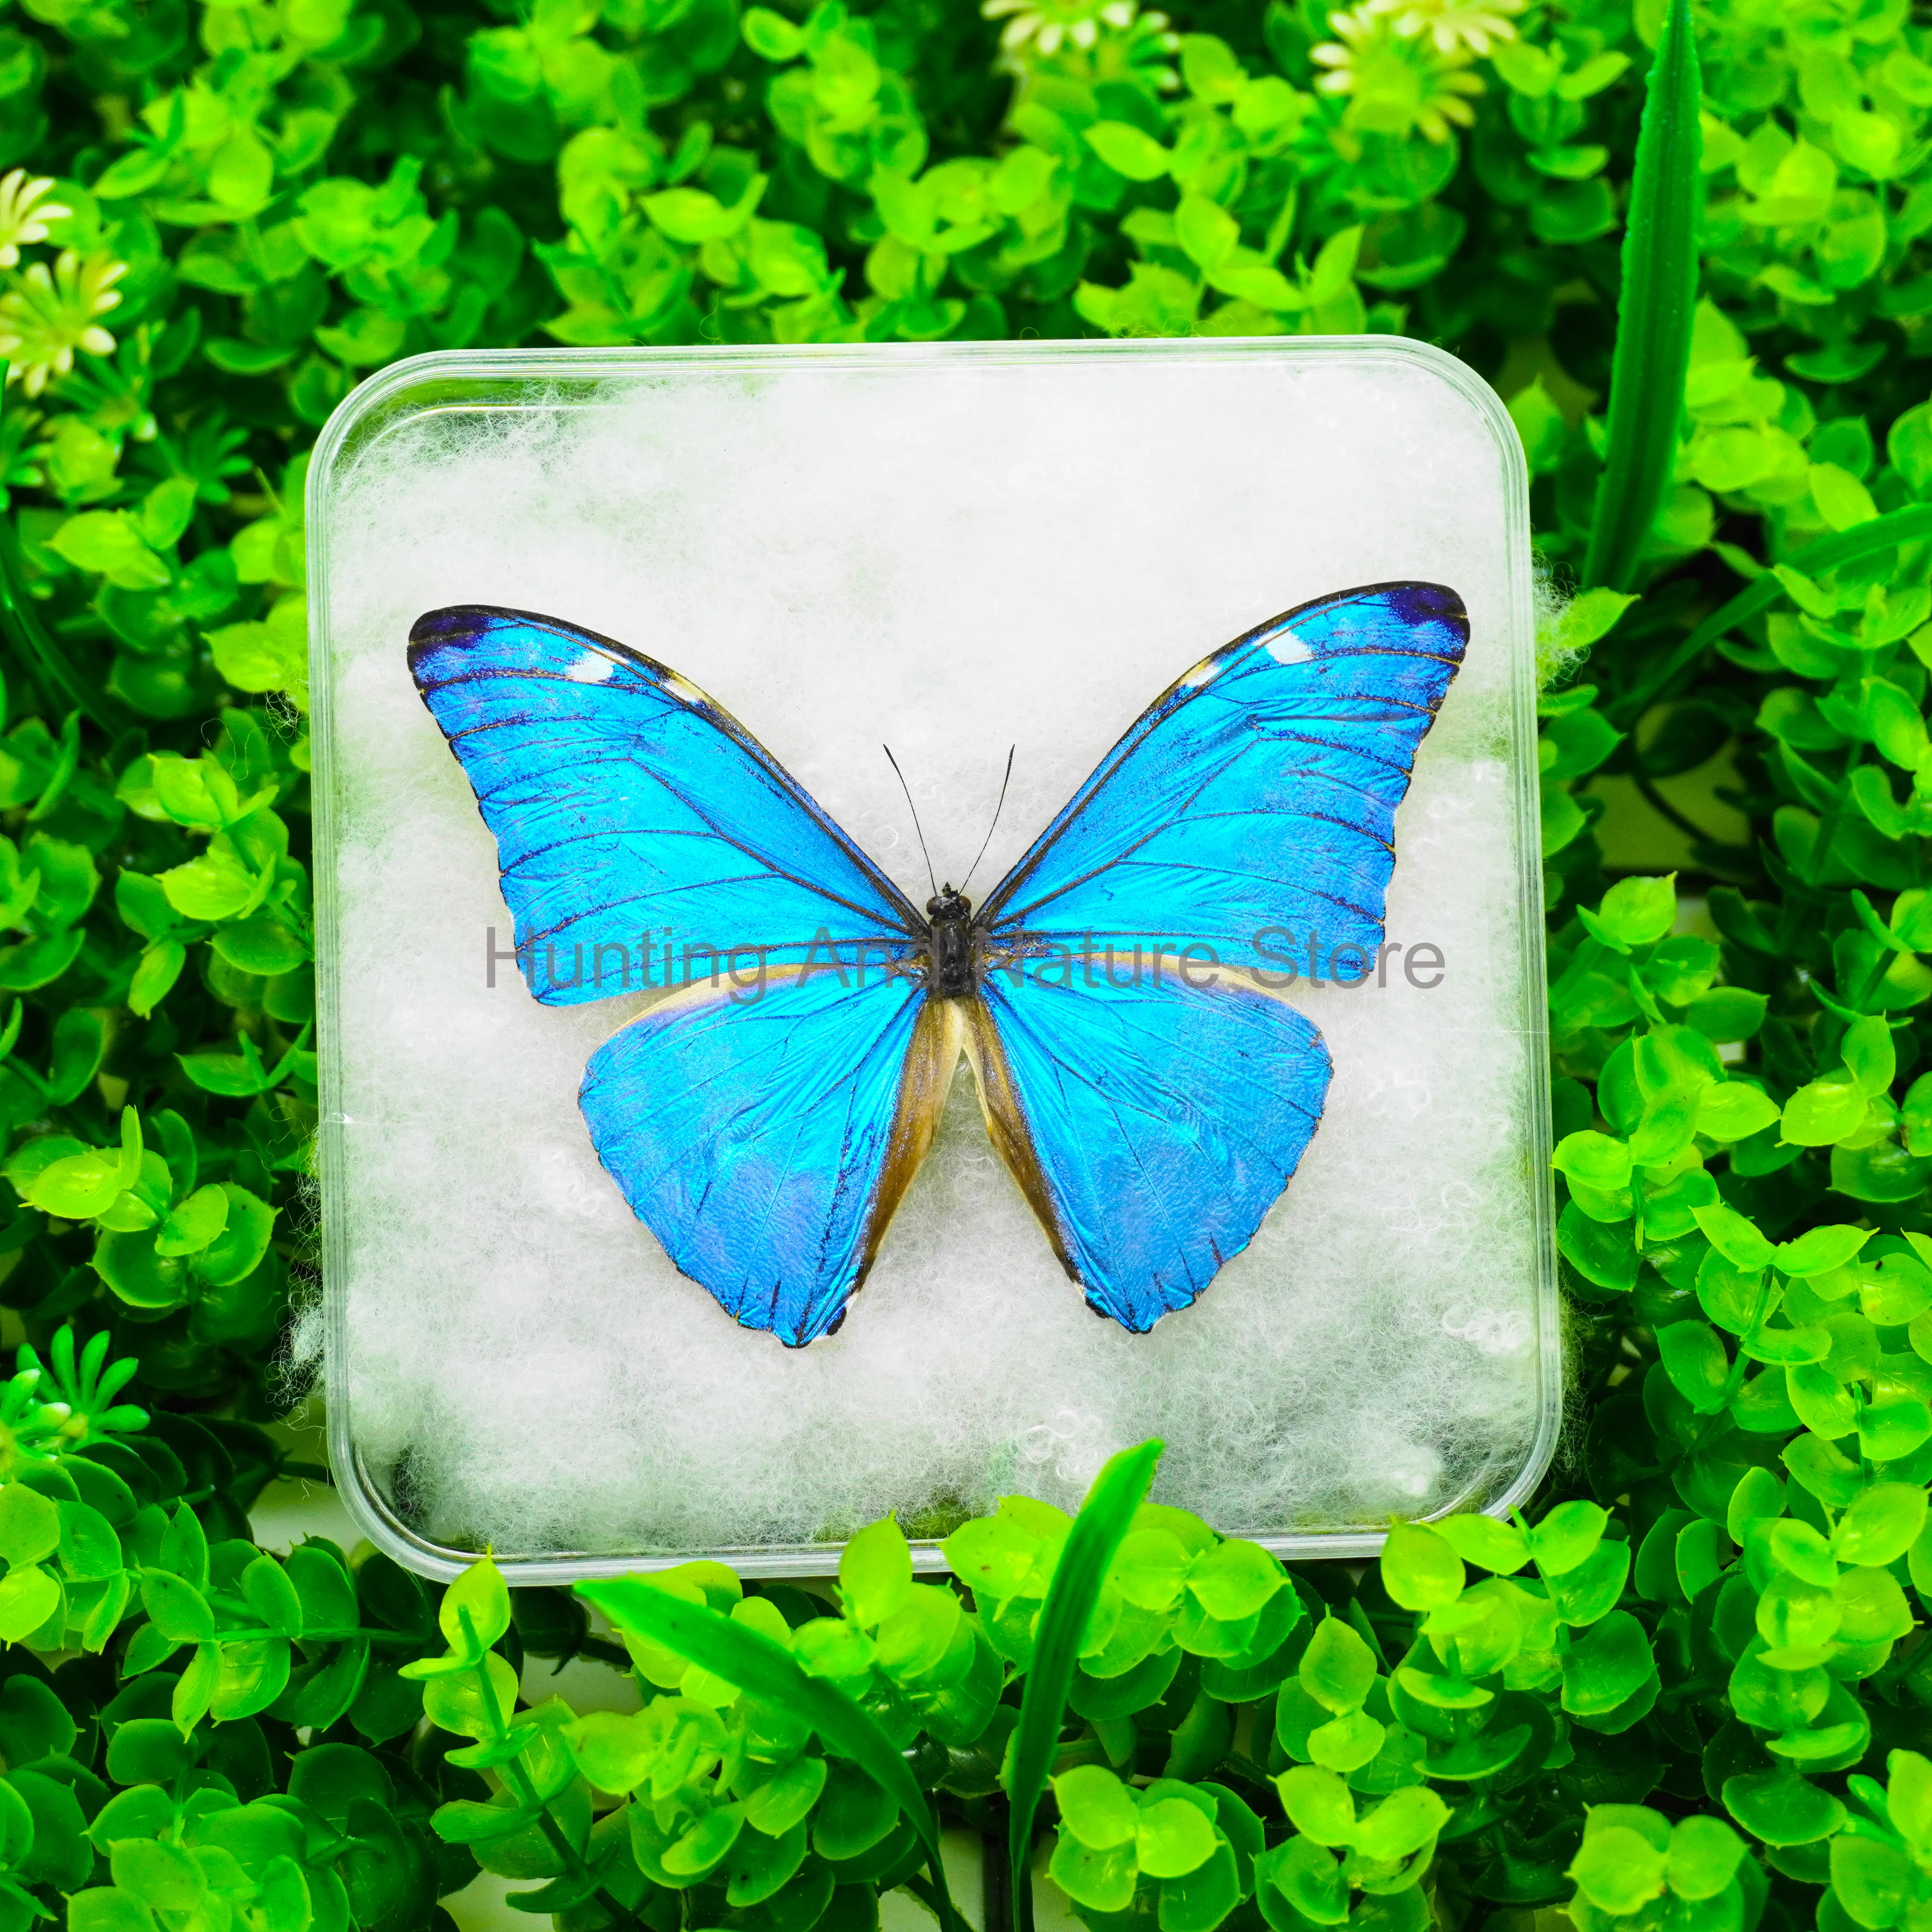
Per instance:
x=950, y=549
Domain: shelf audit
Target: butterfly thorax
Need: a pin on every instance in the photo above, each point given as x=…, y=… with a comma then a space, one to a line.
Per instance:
x=950, y=937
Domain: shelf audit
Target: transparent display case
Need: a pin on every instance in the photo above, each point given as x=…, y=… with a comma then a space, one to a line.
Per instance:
x=956, y=550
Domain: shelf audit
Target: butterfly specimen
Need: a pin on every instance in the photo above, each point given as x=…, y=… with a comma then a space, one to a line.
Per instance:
x=1118, y=994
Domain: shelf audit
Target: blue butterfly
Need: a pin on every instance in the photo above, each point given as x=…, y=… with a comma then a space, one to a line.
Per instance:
x=1152, y=1103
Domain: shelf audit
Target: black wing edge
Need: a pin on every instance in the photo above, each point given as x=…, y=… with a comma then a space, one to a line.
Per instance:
x=1416, y=602
x=1422, y=603
x=457, y=624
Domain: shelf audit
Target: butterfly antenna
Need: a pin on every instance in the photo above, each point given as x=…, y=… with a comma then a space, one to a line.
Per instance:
x=914, y=810
x=997, y=810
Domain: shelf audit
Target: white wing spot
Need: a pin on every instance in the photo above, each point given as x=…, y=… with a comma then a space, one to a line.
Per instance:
x=1205, y=672
x=593, y=668
x=1289, y=649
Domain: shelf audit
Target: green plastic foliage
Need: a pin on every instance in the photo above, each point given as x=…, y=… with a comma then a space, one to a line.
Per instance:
x=1680, y=1688
x=761, y=1665
x=875, y=1573
x=1632, y=1856
x=1881, y=1864
x=1180, y=1847
x=1338, y=1670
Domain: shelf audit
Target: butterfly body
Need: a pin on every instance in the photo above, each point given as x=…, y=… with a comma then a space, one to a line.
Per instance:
x=1140, y=1071
x=953, y=945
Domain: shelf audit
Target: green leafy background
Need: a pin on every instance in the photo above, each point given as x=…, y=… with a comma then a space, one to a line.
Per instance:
x=1688, y=1690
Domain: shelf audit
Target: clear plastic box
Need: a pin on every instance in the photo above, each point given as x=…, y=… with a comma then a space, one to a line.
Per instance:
x=952, y=549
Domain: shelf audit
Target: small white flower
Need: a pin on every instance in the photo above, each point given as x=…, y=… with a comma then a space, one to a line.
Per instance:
x=1050, y=24
x=24, y=215
x=43, y=321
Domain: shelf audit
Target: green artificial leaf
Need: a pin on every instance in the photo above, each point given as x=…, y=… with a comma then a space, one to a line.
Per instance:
x=782, y=1802
x=1606, y=1666
x=759, y=1867
x=1497, y=1546
x=1726, y=1013
x=1104, y=1881
x=1127, y=151
x=1589, y=617
x=1598, y=1160
x=1337, y=1669
x=1173, y=1836
x=1695, y=1360
x=30, y=1526
x=1881, y=1525
x=875, y=1573
x=29, y=1596
x=274, y=1598
x=1420, y=1566
x=163, y=1877
x=1234, y=1580
x=90, y=1550
x=1734, y=1110
x=1825, y=1111
x=109, y=542
x=178, y=1610
x=1096, y=1808
x=236, y=1251
x=1781, y=1808
x=1635, y=912
x=770, y=35
x=1619, y=1868
x=147, y=1750
x=192, y=1224
x=78, y=1187
x=1820, y=1251
x=1735, y=1236
x=108, y=1908
x=1567, y=1537
x=475, y=1609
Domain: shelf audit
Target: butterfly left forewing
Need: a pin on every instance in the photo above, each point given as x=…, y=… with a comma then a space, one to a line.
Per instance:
x=624, y=800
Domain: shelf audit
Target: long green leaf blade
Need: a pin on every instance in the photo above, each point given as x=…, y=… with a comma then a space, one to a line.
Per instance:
x=1118, y=1491
x=1655, y=311
x=768, y=1673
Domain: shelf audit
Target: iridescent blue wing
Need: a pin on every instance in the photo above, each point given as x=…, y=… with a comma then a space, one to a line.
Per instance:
x=1150, y=1125
x=763, y=1125
x=766, y=1136
x=624, y=800
x=1257, y=792
x=1250, y=807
